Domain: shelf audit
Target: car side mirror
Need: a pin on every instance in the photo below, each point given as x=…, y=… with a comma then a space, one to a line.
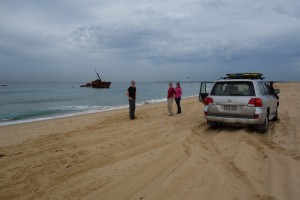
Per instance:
x=276, y=91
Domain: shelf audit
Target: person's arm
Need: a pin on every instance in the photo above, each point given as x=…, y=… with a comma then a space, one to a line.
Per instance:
x=127, y=94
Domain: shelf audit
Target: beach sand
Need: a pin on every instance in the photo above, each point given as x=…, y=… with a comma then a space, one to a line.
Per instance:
x=107, y=156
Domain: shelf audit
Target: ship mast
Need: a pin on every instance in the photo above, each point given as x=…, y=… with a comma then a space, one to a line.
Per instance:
x=98, y=75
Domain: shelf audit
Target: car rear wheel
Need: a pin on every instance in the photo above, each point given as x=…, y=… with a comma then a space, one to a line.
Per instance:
x=265, y=126
x=213, y=125
x=276, y=115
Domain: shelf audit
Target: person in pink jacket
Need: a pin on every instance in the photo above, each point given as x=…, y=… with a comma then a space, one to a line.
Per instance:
x=178, y=93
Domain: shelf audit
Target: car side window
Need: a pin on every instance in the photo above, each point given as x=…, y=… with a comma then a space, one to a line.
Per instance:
x=262, y=88
x=268, y=89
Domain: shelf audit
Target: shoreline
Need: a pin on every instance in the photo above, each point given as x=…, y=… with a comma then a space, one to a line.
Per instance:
x=110, y=108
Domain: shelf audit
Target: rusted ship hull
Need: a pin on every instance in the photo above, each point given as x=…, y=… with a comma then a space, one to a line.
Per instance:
x=97, y=84
x=100, y=84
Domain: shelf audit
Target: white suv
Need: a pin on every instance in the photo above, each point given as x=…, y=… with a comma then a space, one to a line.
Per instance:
x=240, y=99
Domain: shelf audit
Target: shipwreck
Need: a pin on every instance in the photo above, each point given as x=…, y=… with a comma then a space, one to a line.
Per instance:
x=98, y=83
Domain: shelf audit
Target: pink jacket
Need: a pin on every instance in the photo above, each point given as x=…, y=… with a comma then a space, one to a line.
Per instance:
x=178, y=92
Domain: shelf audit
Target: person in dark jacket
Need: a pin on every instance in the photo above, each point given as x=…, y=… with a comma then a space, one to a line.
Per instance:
x=131, y=94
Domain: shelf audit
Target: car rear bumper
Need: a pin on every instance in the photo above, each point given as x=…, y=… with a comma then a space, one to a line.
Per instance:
x=241, y=120
x=227, y=120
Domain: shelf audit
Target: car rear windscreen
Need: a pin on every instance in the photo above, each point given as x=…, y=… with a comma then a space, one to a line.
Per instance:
x=230, y=88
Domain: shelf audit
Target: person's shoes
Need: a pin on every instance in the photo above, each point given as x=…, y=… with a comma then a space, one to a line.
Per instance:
x=133, y=118
x=170, y=114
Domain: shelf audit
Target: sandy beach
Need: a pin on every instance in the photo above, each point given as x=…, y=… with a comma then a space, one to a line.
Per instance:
x=107, y=156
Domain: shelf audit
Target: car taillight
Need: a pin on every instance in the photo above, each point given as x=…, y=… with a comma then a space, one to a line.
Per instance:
x=255, y=102
x=208, y=100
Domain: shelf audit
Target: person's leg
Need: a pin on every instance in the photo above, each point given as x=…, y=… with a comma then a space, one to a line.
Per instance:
x=131, y=108
x=170, y=106
x=178, y=105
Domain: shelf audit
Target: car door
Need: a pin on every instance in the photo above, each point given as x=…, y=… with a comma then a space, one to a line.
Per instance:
x=272, y=99
x=205, y=88
x=269, y=99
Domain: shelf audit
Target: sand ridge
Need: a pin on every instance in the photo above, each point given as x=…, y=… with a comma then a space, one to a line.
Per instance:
x=107, y=156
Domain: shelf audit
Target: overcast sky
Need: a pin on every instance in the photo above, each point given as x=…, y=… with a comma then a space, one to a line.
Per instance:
x=148, y=40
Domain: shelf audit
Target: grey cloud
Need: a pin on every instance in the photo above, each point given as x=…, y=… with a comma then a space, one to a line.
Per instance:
x=109, y=37
x=200, y=35
x=162, y=46
x=288, y=9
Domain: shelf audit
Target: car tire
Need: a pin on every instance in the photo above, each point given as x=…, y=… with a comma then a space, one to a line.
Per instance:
x=213, y=125
x=276, y=115
x=265, y=126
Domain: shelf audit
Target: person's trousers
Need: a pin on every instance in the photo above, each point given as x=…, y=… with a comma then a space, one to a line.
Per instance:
x=170, y=106
x=131, y=108
x=177, y=100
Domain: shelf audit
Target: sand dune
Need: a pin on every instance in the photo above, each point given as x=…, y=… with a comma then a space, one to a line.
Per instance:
x=107, y=156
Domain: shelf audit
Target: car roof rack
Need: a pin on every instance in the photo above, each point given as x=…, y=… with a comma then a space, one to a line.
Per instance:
x=244, y=76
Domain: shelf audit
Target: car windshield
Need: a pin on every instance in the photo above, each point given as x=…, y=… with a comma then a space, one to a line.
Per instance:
x=233, y=88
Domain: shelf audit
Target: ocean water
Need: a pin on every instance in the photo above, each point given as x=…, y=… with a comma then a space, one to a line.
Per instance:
x=33, y=101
